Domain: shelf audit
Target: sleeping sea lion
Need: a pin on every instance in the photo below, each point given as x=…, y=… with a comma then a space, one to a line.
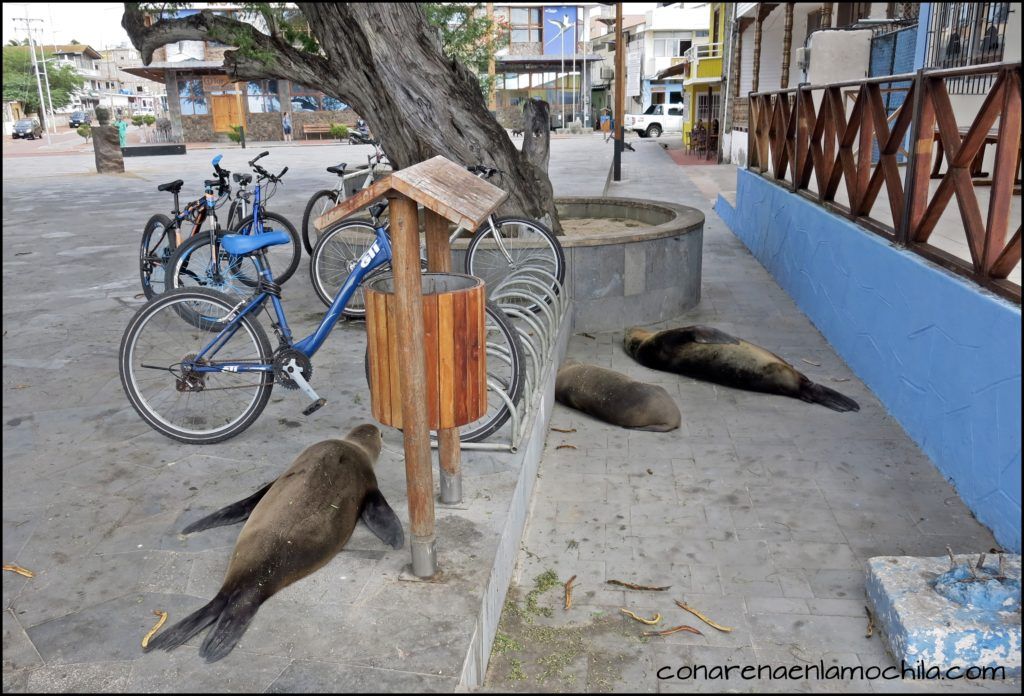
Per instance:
x=295, y=526
x=705, y=353
x=615, y=398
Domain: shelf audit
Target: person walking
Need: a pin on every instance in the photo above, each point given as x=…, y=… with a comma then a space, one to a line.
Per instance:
x=286, y=122
x=122, y=131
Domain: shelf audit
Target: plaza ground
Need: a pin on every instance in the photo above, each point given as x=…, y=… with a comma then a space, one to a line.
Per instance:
x=759, y=511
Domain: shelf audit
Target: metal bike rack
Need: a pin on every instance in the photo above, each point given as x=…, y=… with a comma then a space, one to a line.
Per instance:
x=536, y=304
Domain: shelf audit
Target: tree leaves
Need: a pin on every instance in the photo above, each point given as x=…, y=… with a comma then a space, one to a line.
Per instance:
x=20, y=80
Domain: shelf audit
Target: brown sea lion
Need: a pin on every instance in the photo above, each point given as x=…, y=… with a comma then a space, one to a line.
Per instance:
x=295, y=526
x=705, y=353
x=615, y=398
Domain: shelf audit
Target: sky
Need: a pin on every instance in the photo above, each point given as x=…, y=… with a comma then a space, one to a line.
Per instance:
x=95, y=23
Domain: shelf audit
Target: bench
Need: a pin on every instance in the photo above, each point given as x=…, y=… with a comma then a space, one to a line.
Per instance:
x=319, y=129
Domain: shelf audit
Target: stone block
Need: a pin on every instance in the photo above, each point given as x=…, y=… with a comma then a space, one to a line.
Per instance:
x=920, y=626
x=107, y=147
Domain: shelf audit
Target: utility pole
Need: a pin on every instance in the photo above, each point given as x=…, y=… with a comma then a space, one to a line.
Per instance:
x=49, y=97
x=620, y=92
x=35, y=69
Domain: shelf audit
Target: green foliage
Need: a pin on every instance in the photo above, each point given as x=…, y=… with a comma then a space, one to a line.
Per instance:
x=85, y=130
x=149, y=119
x=467, y=34
x=236, y=134
x=339, y=131
x=20, y=80
x=138, y=120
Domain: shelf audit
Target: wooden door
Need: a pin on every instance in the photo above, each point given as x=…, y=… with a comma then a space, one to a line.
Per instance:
x=226, y=112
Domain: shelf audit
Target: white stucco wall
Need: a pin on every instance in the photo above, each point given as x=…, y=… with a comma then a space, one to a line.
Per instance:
x=838, y=55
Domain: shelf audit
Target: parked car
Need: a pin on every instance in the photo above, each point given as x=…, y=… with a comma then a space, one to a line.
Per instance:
x=27, y=128
x=79, y=118
x=657, y=119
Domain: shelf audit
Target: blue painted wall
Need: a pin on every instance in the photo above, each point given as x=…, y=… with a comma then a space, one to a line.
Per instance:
x=943, y=356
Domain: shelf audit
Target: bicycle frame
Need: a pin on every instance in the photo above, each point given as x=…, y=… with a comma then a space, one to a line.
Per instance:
x=373, y=258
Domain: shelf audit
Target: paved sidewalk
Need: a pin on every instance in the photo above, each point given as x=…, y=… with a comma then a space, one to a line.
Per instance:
x=759, y=511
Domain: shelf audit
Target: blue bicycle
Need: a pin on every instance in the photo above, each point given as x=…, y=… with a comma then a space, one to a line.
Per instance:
x=203, y=261
x=198, y=366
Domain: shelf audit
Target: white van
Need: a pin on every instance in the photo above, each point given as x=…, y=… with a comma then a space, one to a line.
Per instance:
x=657, y=119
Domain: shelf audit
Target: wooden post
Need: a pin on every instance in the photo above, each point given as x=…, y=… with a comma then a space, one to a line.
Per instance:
x=413, y=380
x=757, y=50
x=787, y=45
x=826, y=15
x=738, y=60
x=620, y=93
x=1006, y=166
x=449, y=446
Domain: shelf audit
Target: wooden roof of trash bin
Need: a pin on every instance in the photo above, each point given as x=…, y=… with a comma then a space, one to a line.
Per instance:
x=437, y=184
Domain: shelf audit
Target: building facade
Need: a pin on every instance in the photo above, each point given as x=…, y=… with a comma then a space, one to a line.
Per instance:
x=204, y=104
x=125, y=91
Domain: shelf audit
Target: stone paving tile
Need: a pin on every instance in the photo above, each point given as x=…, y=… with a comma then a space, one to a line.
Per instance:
x=309, y=676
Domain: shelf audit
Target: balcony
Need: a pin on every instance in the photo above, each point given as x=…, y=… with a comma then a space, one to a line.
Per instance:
x=705, y=62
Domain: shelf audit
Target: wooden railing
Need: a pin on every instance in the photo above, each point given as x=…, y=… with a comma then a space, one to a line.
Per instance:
x=824, y=147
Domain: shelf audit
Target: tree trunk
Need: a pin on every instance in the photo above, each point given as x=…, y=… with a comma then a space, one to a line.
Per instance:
x=385, y=60
x=537, y=133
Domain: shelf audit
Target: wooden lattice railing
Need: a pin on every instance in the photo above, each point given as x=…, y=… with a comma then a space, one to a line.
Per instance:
x=813, y=141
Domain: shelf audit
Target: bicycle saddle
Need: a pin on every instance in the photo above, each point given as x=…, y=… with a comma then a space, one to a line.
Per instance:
x=173, y=186
x=377, y=208
x=339, y=170
x=240, y=244
x=242, y=179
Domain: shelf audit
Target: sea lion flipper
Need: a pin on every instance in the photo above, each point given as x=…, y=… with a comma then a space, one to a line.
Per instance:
x=382, y=520
x=241, y=607
x=192, y=624
x=830, y=398
x=232, y=514
x=710, y=335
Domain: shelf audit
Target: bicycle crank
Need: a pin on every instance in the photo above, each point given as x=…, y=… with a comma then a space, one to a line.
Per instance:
x=292, y=368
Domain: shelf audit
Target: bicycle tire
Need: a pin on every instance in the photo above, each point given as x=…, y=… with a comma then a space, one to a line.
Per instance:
x=335, y=256
x=154, y=253
x=310, y=236
x=192, y=265
x=284, y=255
x=161, y=318
x=498, y=413
x=541, y=249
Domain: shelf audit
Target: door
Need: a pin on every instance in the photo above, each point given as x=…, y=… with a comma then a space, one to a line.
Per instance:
x=226, y=112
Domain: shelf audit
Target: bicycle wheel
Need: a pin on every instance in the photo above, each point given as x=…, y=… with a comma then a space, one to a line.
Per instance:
x=320, y=203
x=282, y=256
x=157, y=364
x=158, y=242
x=530, y=246
x=335, y=256
x=506, y=370
x=196, y=264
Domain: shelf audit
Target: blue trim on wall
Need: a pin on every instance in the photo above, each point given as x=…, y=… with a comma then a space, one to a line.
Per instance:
x=923, y=20
x=942, y=355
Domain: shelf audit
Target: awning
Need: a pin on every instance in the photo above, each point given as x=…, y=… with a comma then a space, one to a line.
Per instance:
x=539, y=63
x=156, y=71
x=673, y=71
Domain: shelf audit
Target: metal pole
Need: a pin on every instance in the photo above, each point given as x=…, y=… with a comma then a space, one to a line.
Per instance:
x=46, y=79
x=412, y=376
x=575, y=77
x=35, y=69
x=561, y=79
x=620, y=92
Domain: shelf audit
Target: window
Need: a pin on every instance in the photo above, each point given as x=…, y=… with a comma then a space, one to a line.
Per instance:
x=192, y=98
x=263, y=97
x=525, y=24
x=967, y=33
x=851, y=13
x=305, y=99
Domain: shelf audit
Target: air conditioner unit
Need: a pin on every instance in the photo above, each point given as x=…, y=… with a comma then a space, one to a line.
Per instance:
x=803, y=58
x=607, y=73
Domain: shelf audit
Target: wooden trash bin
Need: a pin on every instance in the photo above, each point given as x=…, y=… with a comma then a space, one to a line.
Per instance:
x=454, y=343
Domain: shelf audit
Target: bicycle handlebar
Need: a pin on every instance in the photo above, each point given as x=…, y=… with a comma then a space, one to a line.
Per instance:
x=258, y=157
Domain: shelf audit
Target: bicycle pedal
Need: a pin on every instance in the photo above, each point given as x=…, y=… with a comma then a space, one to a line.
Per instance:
x=314, y=406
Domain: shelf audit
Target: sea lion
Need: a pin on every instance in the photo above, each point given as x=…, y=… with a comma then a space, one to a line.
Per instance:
x=615, y=398
x=706, y=353
x=295, y=526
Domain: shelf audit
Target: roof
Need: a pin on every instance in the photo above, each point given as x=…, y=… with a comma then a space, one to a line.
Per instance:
x=155, y=71
x=537, y=62
x=73, y=48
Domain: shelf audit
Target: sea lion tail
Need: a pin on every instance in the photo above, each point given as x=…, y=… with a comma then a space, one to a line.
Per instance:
x=241, y=608
x=830, y=398
x=190, y=625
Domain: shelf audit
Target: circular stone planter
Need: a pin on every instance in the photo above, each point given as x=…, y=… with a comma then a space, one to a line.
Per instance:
x=637, y=276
